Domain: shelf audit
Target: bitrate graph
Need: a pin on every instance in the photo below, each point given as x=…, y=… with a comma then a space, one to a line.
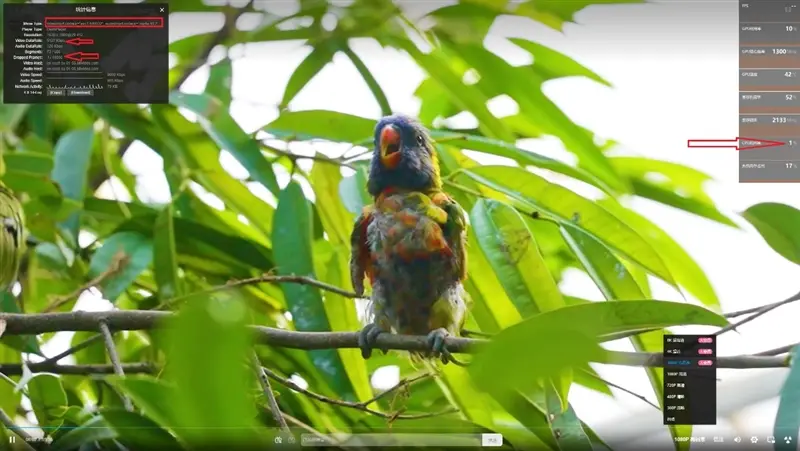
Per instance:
x=85, y=53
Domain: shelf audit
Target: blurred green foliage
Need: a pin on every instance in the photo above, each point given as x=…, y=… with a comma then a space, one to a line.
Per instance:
x=526, y=231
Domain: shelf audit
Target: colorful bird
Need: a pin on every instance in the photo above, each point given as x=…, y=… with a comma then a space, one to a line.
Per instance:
x=12, y=237
x=410, y=243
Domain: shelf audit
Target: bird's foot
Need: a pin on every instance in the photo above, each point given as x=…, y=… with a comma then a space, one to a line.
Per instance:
x=367, y=337
x=436, y=343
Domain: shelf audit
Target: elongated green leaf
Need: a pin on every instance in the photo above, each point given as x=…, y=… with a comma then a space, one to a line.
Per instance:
x=151, y=395
x=681, y=265
x=321, y=54
x=555, y=13
x=466, y=96
x=787, y=422
x=72, y=157
x=122, y=258
x=370, y=80
x=568, y=206
x=554, y=64
x=324, y=124
x=95, y=429
x=292, y=249
x=525, y=89
x=229, y=135
x=577, y=329
x=671, y=184
x=9, y=397
x=617, y=283
x=336, y=219
x=165, y=255
x=202, y=158
x=778, y=224
x=521, y=156
x=208, y=338
x=220, y=81
x=47, y=397
x=514, y=256
x=564, y=423
x=138, y=432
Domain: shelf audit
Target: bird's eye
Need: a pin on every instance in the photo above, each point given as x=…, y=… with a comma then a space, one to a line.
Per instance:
x=420, y=139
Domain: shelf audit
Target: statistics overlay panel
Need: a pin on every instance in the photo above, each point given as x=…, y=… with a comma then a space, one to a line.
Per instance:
x=86, y=53
x=769, y=91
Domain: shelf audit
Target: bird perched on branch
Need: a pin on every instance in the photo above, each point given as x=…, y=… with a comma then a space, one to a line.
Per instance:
x=12, y=237
x=410, y=243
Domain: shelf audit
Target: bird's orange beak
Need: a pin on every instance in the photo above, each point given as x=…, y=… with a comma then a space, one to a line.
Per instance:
x=390, y=146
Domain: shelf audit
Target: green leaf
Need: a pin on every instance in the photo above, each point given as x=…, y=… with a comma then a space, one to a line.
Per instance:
x=787, y=421
x=321, y=54
x=73, y=154
x=564, y=423
x=336, y=219
x=136, y=431
x=617, y=283
x=514, y=256
x=468, y=97
x=353, y=192
x=554, y=64
x=165, y=256
x=220, y=80
x=208, y=346
x=9, y=397
x=150, y=395
x=568, y=206
x=324, y=124
x=554, y=13
x=292, y=250
x=778, y=224
x=96, y=429
x=370, y=80
x=47, y=397
x=11, y=115
x=521, y=156
x=681, y=265
x=577, y=330
x=228, y=134
x=201, y=156
x=526, y=90
x=671, y=184
x=123, y=256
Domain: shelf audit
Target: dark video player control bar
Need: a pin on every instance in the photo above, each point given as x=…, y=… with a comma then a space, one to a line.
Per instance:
x=769, y=91
x=86, y=53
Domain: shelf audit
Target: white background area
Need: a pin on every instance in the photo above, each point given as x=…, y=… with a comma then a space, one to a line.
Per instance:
x=674, y=71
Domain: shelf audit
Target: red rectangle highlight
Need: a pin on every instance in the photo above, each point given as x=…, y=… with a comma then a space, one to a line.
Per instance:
x=705, y=351
x=104, y=22
x=705, y=340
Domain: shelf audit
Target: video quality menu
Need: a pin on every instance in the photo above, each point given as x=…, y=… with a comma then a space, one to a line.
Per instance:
x=690, y=379
x=28, y=50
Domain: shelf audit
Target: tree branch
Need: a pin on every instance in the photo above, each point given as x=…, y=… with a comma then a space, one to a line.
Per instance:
x=78, y=347
x=8, y=422
x=266, y=278
x=362, y=406
x=759, y=311
x=34, y=324
x=15, y=369
x=108, y=339
x=267, y=388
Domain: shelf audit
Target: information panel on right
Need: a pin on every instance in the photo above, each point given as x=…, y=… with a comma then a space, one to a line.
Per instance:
x=769, y=91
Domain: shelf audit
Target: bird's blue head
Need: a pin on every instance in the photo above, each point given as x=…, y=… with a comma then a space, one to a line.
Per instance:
x=404, y=157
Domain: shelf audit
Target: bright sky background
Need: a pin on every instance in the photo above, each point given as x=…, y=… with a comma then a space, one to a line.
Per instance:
x=674, y=68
